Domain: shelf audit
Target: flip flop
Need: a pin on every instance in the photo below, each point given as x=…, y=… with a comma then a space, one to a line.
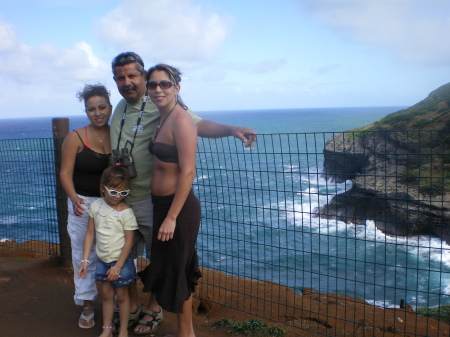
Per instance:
x=87, y=319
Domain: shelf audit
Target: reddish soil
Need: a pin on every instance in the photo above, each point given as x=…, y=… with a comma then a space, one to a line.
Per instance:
x=37, y=299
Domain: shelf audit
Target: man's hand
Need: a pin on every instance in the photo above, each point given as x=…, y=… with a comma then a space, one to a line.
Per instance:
x=246, y=135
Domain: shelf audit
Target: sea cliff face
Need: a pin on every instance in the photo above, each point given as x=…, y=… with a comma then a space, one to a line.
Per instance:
x=399, y=168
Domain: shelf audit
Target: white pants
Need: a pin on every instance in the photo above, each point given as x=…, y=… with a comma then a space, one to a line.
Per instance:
x=85, y=289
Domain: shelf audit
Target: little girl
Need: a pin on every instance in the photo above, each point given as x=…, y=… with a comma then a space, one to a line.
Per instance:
x=111, y=224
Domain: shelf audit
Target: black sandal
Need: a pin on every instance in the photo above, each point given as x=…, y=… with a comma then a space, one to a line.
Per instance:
x=132, y=320
x=157, y=316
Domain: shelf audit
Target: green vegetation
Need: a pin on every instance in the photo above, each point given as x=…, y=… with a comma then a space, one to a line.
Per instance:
x=432, y=178
x=425, y=128
x=253, y=326
x=432, y=113
x=440, y=313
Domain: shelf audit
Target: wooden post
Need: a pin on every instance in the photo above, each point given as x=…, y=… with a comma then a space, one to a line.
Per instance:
x=60, y=128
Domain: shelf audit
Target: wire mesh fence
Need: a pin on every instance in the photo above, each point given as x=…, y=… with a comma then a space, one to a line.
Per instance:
x=336, y=233
x=28, y=210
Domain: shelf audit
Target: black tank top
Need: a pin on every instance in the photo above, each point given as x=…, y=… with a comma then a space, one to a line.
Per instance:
x=88, y=168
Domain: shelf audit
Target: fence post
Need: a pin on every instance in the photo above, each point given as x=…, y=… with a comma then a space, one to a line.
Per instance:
x=60, y=127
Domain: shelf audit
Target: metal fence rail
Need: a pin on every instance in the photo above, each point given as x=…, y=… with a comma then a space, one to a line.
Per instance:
x=356, y=249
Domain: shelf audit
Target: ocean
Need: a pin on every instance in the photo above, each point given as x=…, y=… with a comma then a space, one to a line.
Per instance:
x=262, y=121
x=427, y=285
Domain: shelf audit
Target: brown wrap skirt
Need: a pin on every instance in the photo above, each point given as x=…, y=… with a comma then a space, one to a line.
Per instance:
x=173, y=272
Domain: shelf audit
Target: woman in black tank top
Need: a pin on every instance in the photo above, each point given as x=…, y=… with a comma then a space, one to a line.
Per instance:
x=85, y=153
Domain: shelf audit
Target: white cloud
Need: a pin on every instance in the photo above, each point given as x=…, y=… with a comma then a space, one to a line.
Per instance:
x=415, y=30
x=8, y=37
x=46, y=63
x=44, y=77
x=171, y=31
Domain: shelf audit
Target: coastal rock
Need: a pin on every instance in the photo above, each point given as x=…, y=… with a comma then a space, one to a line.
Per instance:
x=399, y=171
x=375, y=163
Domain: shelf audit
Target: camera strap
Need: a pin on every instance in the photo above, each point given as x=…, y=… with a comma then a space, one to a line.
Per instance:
x=122, y=122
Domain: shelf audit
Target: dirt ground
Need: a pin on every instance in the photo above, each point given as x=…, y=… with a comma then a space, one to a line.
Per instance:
x=36, y=299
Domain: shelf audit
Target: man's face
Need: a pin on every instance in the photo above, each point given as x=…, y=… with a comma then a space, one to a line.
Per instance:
x=130, y=82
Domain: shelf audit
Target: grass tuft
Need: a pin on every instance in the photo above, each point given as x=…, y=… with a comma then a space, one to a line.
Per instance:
x=251, y=327
x=440, y=313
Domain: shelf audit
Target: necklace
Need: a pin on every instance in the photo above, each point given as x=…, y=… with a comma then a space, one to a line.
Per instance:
x=100, y=140
x=161, y=123
x=114, y=210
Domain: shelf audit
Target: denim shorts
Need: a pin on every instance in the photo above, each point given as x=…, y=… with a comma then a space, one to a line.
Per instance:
x=127, y=275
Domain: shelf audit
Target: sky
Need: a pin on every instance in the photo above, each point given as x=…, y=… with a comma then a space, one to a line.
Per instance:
x=234, y=55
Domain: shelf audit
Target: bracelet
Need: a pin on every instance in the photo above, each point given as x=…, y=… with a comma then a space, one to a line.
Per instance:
x=115, y=271
x=87, y=261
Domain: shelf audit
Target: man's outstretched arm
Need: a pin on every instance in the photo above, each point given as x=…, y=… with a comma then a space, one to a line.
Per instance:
x=210, y=129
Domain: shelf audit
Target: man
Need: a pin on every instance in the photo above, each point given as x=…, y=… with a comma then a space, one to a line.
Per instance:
x=132, y=126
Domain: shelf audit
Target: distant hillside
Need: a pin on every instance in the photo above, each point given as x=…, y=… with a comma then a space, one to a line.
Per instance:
x=400, y=170
x=426, y=126
x=432, y=113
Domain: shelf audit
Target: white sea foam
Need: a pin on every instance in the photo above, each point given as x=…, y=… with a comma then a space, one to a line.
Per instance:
x=221, y=258
x=9, y=220
x=424, y=247
x=382, y=303
x=446, y=287
x=291, y=168
x=202, y=177
x=429, y=273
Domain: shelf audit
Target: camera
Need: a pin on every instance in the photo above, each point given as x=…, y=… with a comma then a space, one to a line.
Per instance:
x=123, y=158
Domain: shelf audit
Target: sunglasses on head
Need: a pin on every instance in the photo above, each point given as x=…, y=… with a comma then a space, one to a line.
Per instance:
x=126, y=59
x=113, y=193
x=163, y=85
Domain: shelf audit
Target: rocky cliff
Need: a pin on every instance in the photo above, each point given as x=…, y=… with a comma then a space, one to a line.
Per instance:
x=399, y=168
